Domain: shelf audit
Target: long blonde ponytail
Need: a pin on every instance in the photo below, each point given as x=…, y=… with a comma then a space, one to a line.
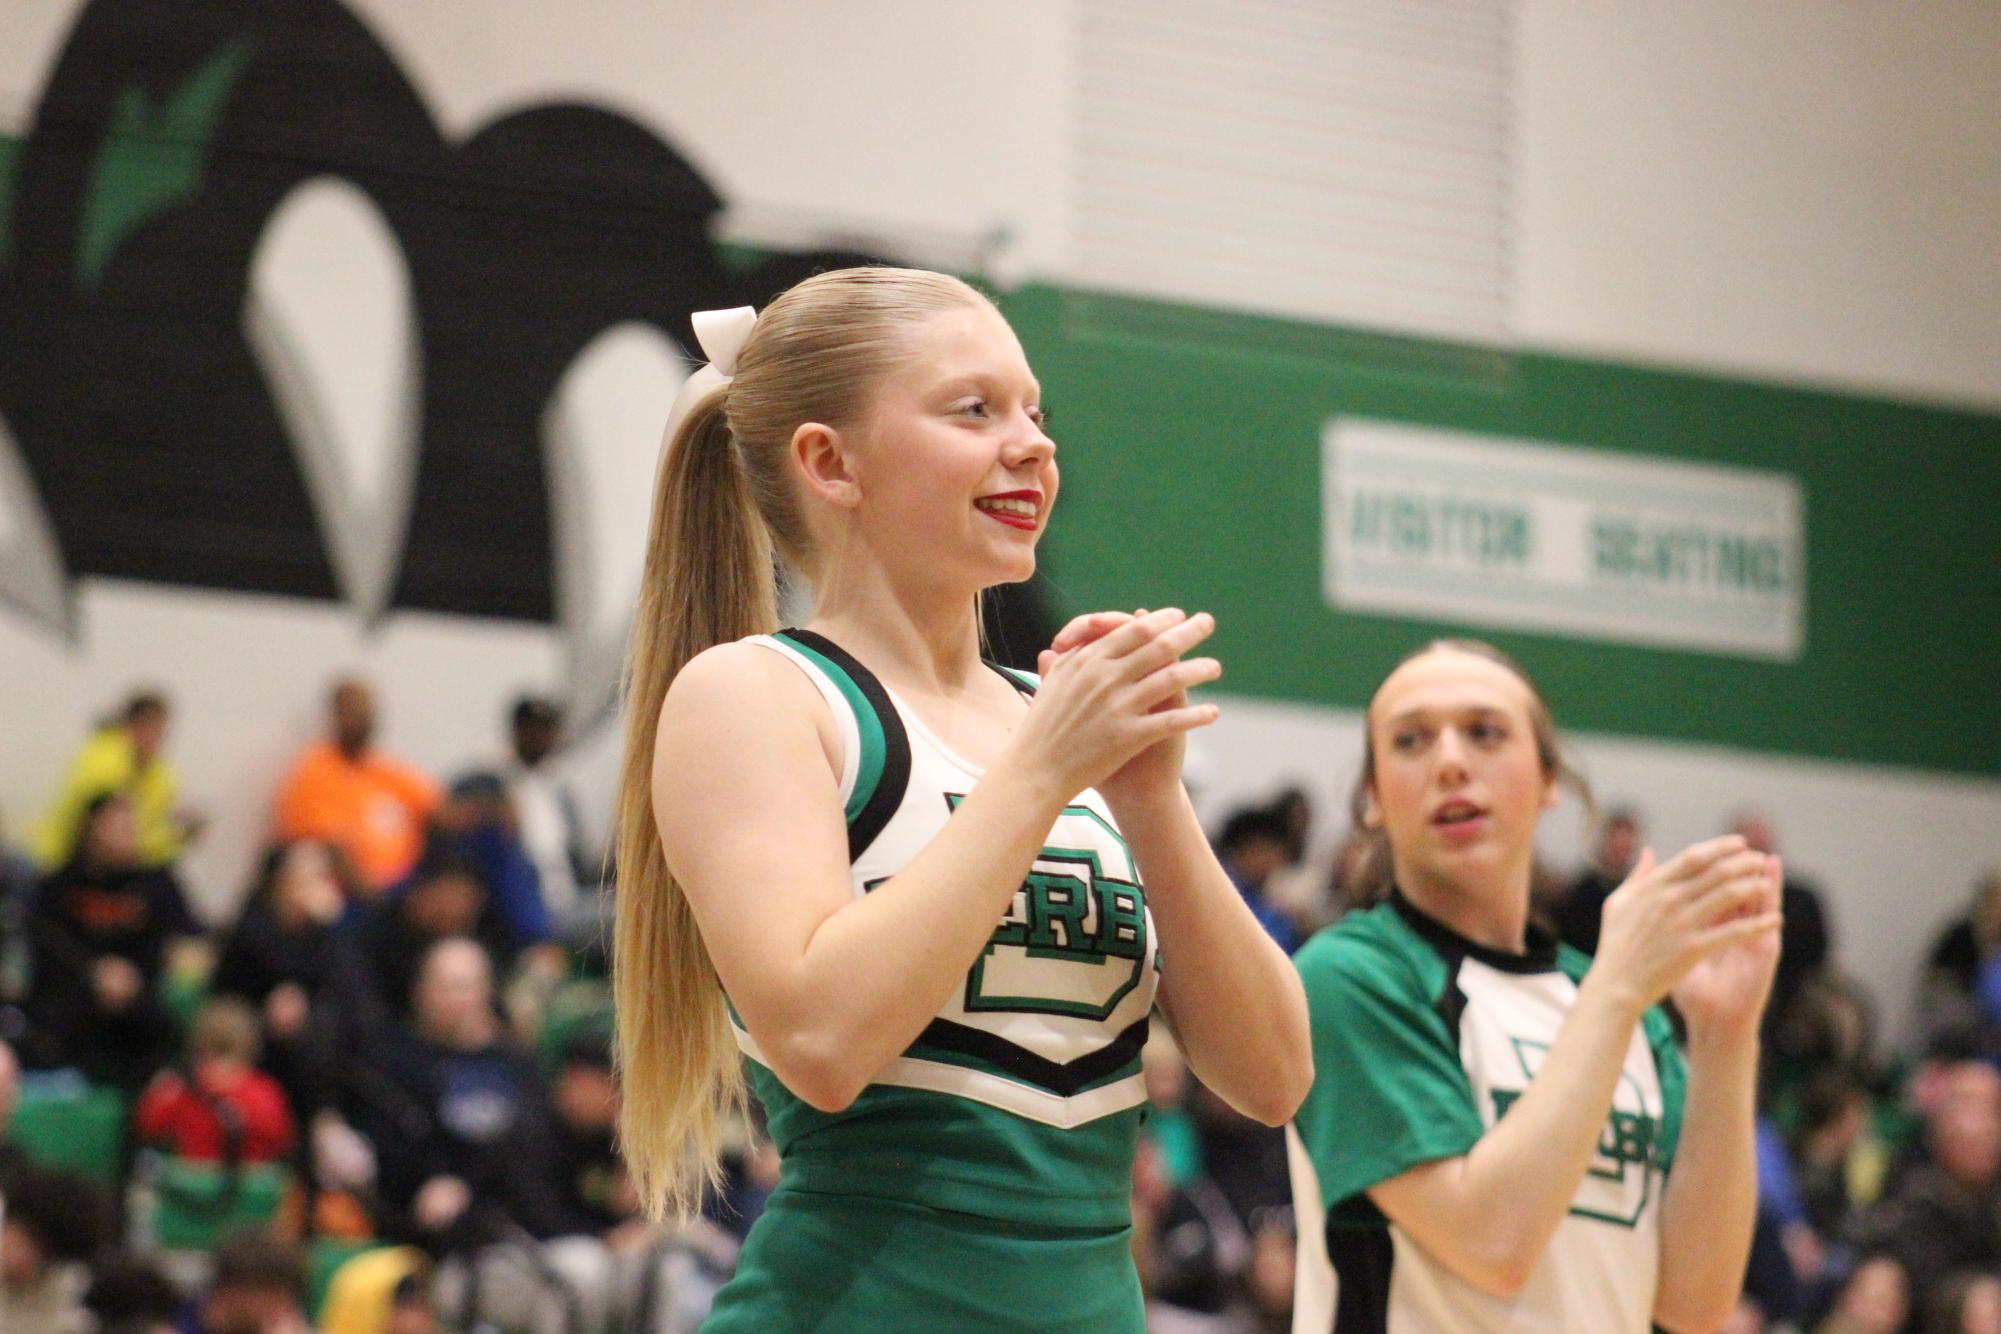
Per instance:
x=707, y=581
x=724, y=508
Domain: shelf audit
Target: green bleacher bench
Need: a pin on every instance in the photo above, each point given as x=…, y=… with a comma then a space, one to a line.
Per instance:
x=192, y=1208
x=79, y=1130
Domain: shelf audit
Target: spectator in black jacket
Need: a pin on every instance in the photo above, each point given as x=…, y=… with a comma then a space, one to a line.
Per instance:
x=259, y=1287
x=18, y=877
x=1191, y=1249
x=1834, y=1110
x=98, y=933
x=1806, y=941
x=1252, y=848
x=569, y=1188
x=285, y=957
x=1244, y=1159
x=575, y=1184
x=444, y=898
x=1946, y=1214
x=1963, y=951
x=54, y=1223
x=1583, y=908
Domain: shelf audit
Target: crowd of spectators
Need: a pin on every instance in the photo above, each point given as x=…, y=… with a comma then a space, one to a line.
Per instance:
x=404, y=1034
x=380, y=1096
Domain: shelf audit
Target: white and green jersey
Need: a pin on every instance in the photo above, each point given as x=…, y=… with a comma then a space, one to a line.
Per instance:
x=1022, y=1099
x=1422, y=1040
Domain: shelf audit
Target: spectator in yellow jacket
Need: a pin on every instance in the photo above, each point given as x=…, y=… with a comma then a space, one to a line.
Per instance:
x=124, y=756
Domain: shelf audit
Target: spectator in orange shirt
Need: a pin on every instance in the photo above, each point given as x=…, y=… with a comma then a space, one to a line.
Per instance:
x=370, y=805
x=222, y=1098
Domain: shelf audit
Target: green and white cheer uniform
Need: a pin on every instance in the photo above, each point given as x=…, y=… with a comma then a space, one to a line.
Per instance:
x=982, y=1179
x=1422, y=1040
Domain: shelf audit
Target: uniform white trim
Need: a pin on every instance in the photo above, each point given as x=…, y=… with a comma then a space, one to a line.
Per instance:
x=844, y=714
x=1315, y=1284
x=1035, y=1104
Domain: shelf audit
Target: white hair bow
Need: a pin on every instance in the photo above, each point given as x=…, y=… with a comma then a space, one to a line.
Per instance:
x=722, y=334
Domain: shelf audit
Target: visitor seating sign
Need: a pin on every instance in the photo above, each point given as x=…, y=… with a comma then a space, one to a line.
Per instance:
x=1450, y=525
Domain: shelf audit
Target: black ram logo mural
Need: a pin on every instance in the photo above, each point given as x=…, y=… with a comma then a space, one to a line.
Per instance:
x=162, y=422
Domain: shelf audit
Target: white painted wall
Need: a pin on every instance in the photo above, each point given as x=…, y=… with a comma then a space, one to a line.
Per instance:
x=942, y=120
x=1792, y=189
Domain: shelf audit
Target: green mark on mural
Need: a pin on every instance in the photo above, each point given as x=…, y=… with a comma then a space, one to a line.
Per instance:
x=153, y=157
x=10, y=153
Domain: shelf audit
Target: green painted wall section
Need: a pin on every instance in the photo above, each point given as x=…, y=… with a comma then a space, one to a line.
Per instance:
x=10, y=152
x=1191, y=475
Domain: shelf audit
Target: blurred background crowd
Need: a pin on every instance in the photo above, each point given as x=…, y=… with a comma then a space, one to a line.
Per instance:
x=378, y=1096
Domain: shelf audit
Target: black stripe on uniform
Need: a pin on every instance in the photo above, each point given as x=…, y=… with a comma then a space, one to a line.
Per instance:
x=1013, y=678
x=1363, y=1258
x=1058, y=1078
x=1537, y=956
x=889, y=789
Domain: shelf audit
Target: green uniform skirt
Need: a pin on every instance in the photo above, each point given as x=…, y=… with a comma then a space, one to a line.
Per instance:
x=836, y=1263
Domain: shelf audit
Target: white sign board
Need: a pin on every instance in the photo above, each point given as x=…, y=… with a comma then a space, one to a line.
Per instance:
x=1448, y=525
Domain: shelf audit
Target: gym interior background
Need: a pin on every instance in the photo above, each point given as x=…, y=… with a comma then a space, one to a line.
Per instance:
x=1659, y=343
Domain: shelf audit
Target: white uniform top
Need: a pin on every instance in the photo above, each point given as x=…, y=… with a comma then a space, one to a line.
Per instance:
x=1023, y=1095
x=1422, y=1041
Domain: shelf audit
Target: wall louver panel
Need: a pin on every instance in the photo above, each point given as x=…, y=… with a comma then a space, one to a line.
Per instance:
x=1341, y=161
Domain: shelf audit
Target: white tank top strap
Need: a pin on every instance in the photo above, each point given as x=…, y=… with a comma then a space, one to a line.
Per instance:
x=844, y=713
